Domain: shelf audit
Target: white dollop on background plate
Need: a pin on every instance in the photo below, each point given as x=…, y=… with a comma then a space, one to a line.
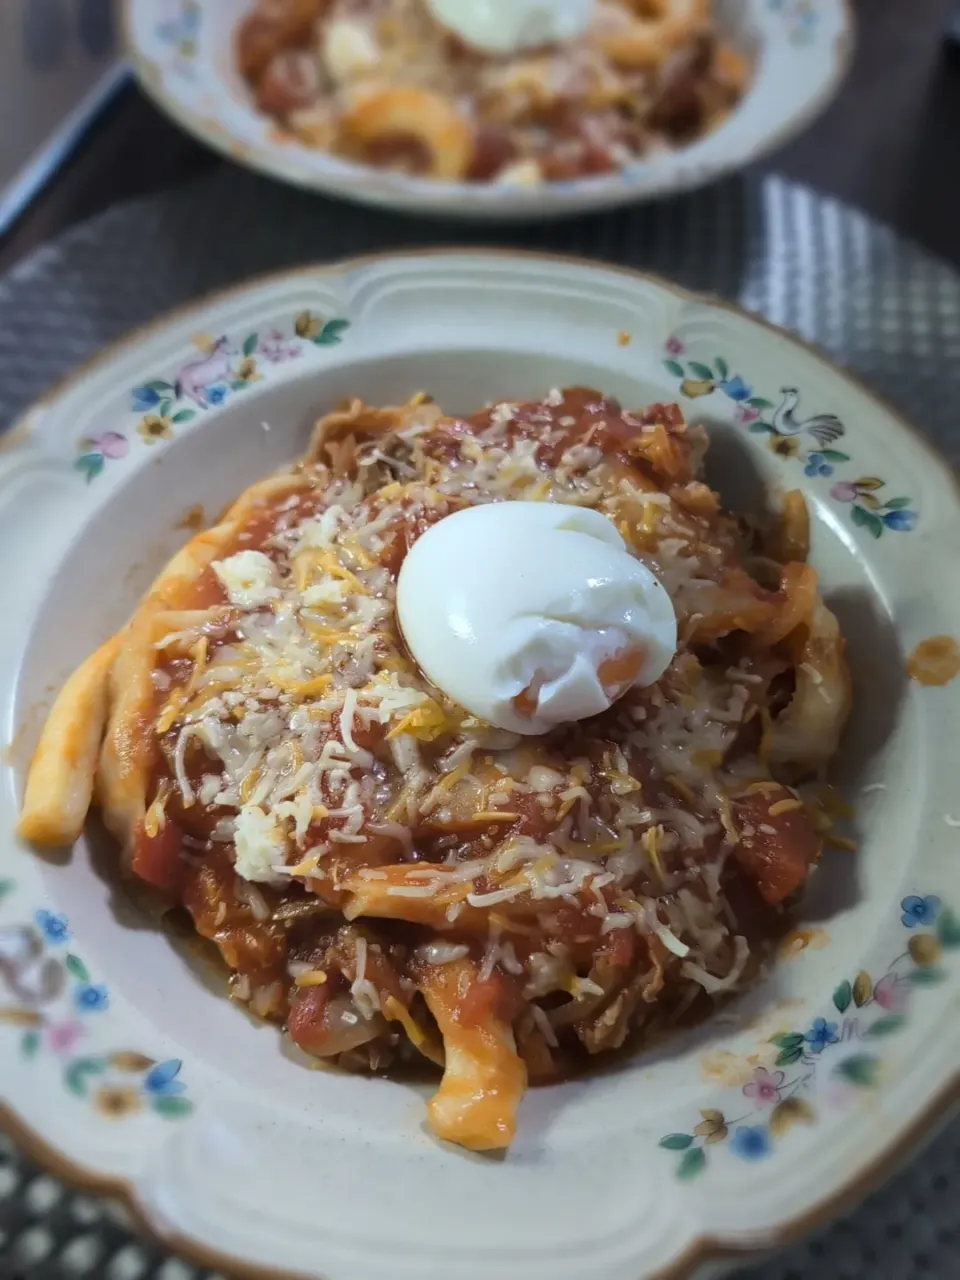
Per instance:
x=508, y=26
x=533, y=614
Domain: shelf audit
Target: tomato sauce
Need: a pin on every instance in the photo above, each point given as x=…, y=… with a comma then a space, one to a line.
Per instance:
x=777, y=844
x=935, y=661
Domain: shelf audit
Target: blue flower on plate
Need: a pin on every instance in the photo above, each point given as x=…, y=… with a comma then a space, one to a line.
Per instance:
x=91, y=997
x=735, y=388
x=161, y=1081
x=821, y=1034
x=191, y=18
x=181, y=28
x=751, y=1142
x=53, y=927
x=919, y=910
x=216, y=394
x=817, y=465
x=144, y=398
x=903, y=520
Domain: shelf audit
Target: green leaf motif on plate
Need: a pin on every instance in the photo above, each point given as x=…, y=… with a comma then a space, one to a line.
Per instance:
x=250, y=345
x=886, y=1026
x=692, y=1162
x=91, y=464
x=702, y=370
x=159, y=386
x=897, y=504
x=842, y=997
x=793, y=1040
x=787, y=1057
x=676, y=1141
x=723, y=369
x=6, y=886
x=172, y=1108
x=860, y=1070
x=77, y=969
x=674, y=367
x=30, y=1044
x=834, y=455
x=761, y=429
x=183, y=415
x=164, y=407
x=948, y=929
x=926, y=977
x=332, y=332
x=758, y=402
x=867, y=520
x=831, y=1047
x=79, y=1070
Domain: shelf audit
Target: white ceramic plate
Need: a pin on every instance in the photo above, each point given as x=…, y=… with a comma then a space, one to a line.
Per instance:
x=182, y=52
x=123, y=1067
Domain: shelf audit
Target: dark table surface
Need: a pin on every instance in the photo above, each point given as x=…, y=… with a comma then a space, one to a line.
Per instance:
x=889, y=144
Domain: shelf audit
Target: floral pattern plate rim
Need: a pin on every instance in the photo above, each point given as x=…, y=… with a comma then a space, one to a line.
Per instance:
x=123, y=1070
x=180, y=51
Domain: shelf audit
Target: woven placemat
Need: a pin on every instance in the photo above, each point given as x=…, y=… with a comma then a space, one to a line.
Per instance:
x=879, y=305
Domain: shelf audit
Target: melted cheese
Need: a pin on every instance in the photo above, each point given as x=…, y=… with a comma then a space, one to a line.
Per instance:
x=260, y=844
x=319, y=740
x=249, y=578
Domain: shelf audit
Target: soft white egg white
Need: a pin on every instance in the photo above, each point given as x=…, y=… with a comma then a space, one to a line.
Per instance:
x=533, y=614
x=507, y=26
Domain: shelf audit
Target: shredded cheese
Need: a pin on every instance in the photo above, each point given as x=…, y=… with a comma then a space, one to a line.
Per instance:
x=296, y=720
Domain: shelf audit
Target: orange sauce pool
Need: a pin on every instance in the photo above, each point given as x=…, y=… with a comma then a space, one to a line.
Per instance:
x=935, y=661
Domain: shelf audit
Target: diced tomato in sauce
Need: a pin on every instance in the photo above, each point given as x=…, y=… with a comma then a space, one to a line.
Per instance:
x=290, y=81
x=366, y=736
x=584, y=414
x=534, y=820
x=305, y=1023
x=493, y=149
x=498, y=996
x=670, y=415
x=270, y=29
x=255, y=949
x=575, y=924
x=412, y=524
x=618, y=946
x=776, y=849
x=157, y=860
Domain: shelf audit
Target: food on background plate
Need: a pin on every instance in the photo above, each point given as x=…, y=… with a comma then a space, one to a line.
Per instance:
x=586, y=836
x=510, y=91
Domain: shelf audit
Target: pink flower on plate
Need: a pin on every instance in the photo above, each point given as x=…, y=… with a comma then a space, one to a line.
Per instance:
x=844, y=492
x=765, y=1086
x=275, y=348
x=673, y=346
x=111, y=444
x=746, y=413
x=62, y=1036
x=890, y=994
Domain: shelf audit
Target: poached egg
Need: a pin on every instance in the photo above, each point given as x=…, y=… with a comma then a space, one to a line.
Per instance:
x=509, y=26
x=533, y=614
